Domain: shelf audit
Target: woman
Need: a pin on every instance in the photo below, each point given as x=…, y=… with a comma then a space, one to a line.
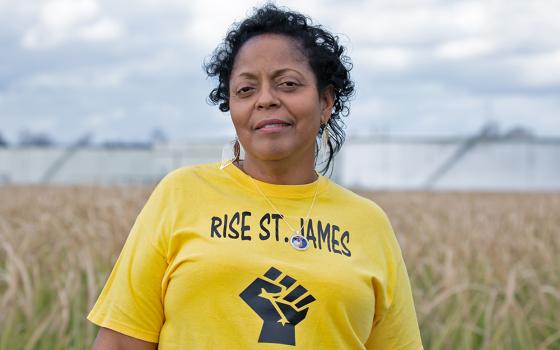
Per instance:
x=263, y=252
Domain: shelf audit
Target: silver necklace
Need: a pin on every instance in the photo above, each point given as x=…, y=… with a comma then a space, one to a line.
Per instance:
x=297, y=240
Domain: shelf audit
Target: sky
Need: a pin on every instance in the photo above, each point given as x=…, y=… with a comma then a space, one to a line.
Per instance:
x=118, y=70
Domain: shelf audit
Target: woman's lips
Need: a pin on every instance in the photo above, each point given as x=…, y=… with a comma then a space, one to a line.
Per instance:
x=272, y=125
x=273, y=128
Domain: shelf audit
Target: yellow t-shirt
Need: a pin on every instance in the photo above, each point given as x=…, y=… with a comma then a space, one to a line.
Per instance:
x=208, y=264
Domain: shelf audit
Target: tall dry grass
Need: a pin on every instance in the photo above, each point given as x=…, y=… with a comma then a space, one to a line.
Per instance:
x=57, y=246
x=485, y=268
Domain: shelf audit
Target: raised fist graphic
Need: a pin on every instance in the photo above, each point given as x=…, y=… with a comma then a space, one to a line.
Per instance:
x=280, y=302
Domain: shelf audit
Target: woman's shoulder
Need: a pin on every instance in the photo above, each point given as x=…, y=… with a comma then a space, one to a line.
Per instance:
x=356, y=201
x=367, y=222
x=186, y=176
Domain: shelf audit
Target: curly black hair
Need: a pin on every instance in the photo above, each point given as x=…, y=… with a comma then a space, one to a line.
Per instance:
x=325, y=55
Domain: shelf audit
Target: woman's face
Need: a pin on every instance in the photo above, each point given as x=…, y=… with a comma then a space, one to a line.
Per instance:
x=274, y=102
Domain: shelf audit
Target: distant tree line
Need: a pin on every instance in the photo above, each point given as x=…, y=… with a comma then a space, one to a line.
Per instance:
x=29, y=138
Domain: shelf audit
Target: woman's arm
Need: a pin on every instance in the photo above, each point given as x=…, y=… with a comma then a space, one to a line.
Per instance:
x=108, y=339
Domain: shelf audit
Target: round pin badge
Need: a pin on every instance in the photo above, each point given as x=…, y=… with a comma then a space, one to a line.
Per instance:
x=299, y=242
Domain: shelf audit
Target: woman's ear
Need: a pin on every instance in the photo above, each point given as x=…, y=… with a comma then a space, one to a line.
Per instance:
x=327, y=101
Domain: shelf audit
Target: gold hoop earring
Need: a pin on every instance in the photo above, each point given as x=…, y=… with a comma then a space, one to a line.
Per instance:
x=231, y=152
x=325, y=138
x=236, y=150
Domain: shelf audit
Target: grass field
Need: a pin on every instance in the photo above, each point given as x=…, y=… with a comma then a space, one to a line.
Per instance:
x=485, y=268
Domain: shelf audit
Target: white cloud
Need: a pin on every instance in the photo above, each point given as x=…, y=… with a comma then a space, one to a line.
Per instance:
x=464, y=48
x=384, y=58
x=415, y=23
x=103, y=29
x=159, y=64
x=60, y=15
x=539, y=70
x=73, y=79
x=95, y=121
x=61, y=21
x=210, y=20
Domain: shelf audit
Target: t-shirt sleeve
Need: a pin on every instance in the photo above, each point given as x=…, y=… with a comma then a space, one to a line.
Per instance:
x=131, y=301
x=395, y=325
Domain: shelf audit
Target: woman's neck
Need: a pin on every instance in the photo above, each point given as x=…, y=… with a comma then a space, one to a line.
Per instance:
x=278, y=172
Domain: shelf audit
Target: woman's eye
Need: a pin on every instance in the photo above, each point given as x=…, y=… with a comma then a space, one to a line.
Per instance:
x=244, y=90
x=289, y=85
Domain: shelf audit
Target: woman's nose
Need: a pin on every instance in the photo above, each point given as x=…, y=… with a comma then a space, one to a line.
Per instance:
x=267, y=98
